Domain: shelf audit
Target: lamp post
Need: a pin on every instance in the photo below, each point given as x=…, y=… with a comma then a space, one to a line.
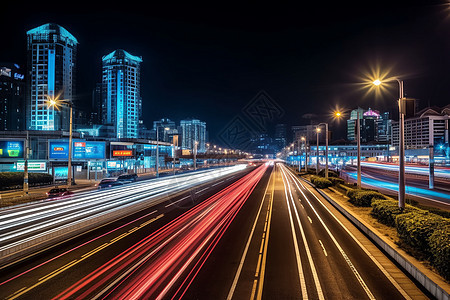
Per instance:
x=54, y=103
x=317, y=150
x=401, y=146
x=326, y=147
x=303, y=139
x=358, y=152
x=157, y=148
x=195, y=154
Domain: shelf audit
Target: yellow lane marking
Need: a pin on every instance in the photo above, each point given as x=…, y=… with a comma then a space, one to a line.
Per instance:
x=262, y=257
x=74, y=262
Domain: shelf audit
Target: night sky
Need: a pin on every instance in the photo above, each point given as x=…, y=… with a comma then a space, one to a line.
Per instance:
x=209, y=60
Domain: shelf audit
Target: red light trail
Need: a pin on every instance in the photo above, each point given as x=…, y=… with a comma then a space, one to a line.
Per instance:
x=152, y=266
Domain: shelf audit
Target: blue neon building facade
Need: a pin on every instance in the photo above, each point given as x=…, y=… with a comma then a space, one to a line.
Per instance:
x=121, y=104
x=51, y=66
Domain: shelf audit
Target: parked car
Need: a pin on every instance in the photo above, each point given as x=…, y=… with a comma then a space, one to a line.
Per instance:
x=58, y=192
x=108, y=182
x=127, y=178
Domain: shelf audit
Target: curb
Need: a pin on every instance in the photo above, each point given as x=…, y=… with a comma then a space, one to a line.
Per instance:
x=429, y=285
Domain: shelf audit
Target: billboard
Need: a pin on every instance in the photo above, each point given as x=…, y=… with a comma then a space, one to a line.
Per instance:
x=82, y=150
x=32, y=166
x=12, y=149
x=122, y=153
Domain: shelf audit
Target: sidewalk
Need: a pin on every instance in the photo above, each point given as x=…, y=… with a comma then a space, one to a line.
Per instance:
x=385, y=233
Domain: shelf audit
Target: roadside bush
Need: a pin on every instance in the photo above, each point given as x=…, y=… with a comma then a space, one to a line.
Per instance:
x=415, y=228
x=331, y=173
x=439, y=242
x=11, y=180
x=336, y=180
x=363, y=197
x=321, y=182
x=386, y=211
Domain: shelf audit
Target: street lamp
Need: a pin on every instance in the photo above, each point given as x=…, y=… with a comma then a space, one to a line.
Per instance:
x=195, y=154
x=401, y=146
x=326, y=147
x=317, y=151
x=157, y=148
x=303, y=139
x=55, y=103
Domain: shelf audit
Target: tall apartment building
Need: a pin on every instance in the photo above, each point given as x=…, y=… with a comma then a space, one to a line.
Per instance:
x=121, y=105
x=166, y=129
x=428, y=127
x=12, y=97
x=51, y=66
x=193, y=130
x=374, y=127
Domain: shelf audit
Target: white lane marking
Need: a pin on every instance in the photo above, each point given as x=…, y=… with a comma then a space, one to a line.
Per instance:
x=324, y=251
x=244, y=254
x=310, y=221
x=344, y=255
x=217, y=183
x=305, y=242
x=202, y=190
x=177, y=201
x=383, y=270
x=301, y=275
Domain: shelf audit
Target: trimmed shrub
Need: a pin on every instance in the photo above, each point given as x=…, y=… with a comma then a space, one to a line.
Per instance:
x=386, y=211
x=415, y=228
x=11, y=180
x=336, y=180
x=321, y=182
x=439, y=242
x=363, y=197
x=331, y=173
x=351, y=193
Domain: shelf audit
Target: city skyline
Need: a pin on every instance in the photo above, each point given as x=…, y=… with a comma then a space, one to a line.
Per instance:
x=242, y=63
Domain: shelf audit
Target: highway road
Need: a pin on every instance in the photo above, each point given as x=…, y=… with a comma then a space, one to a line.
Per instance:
x=386, y=181
x=251, y=234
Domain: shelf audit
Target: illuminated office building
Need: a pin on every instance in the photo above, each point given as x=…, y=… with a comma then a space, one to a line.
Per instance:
x=121, y=105
x=51, y=66
x=192, y=131
x=12, y=95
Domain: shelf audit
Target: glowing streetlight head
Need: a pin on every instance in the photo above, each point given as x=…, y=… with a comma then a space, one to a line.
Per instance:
x=338, y=114
x=166, y=128
x=318, y=129
x=377, y=82
x=302, y=138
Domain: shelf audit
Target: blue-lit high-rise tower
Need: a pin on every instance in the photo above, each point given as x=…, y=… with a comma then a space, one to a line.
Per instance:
x=51, y=68
x=121, y=105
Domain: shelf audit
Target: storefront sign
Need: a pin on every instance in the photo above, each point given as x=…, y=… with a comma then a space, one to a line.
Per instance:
x=122, y=153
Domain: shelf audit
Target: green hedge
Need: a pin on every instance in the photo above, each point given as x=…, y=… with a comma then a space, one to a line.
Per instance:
x=336, y=180
x=386, y=211
x=439, y=242
x=321, y=182
x=415, y=228
x=11, y=180
x=363, y=197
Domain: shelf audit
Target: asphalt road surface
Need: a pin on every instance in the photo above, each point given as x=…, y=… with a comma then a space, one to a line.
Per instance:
x=256, y=234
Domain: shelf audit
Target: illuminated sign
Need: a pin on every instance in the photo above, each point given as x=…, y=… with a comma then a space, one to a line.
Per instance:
x=18, y=76
x=122, y=152
x=32, y=166
x=80, y=149
x=11, y=149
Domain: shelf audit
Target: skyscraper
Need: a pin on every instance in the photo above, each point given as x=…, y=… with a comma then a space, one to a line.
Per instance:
x=12, y=94
x=193, y=130
x=121, y=105
x=51, y=66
